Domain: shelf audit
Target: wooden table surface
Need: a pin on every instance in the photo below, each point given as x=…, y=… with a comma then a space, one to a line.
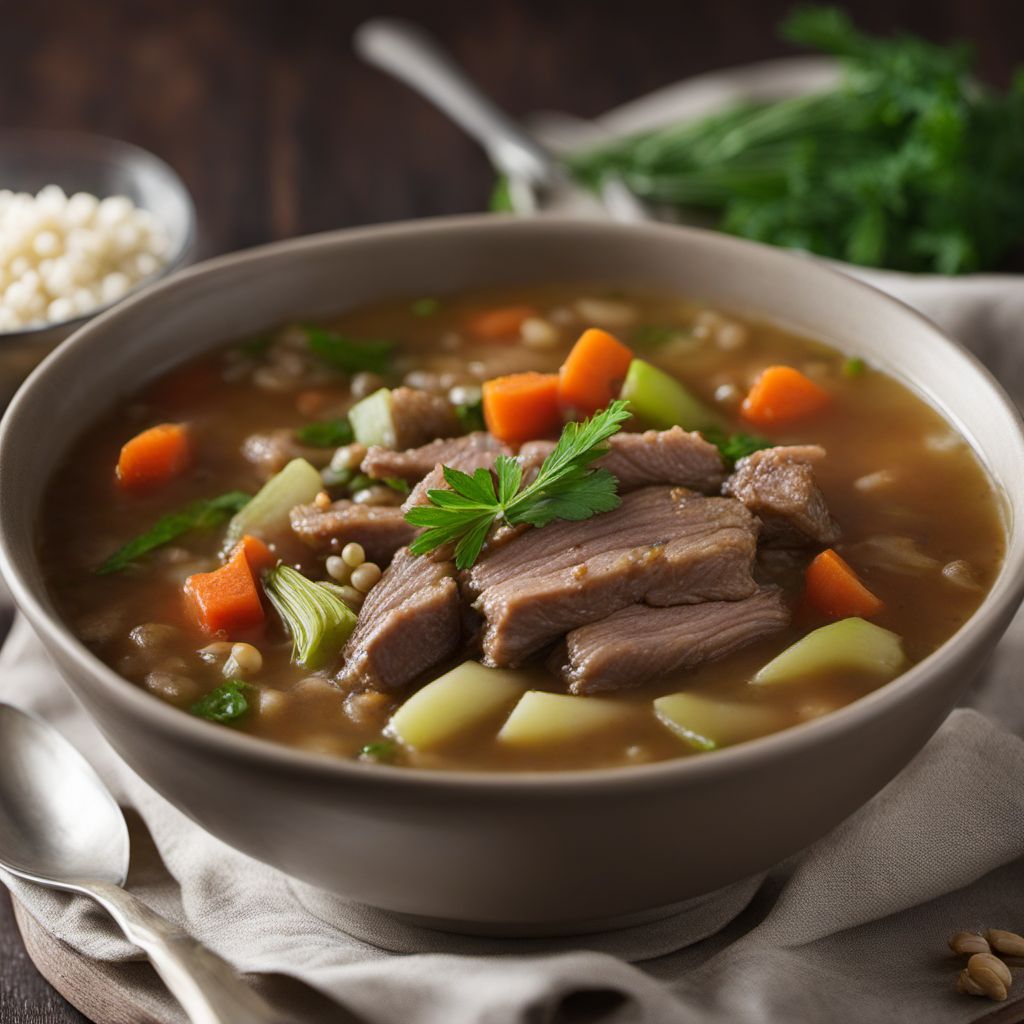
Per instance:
x=279, y=130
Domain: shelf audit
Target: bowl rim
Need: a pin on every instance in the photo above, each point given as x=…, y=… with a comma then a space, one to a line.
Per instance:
x=174, y=261
x=1000, y=601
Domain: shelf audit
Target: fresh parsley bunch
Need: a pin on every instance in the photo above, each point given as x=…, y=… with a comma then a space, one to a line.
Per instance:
x=567, y=487
x=909, y=164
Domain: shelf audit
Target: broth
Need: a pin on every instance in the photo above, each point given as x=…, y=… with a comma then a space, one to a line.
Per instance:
x=920, y=521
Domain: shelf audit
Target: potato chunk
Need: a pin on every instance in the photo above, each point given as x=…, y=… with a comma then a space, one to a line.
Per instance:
x=453, y=704
x=848, y=644
x=541, y=718
x=707, y=724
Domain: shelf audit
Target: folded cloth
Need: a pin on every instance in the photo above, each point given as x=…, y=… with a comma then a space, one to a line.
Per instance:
x=853, y=929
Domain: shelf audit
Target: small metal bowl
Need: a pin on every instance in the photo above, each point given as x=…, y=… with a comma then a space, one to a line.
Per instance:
x=105, y=167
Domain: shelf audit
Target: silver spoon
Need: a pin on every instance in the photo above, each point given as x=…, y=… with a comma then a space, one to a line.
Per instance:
x=405, y=51
x=60, y=827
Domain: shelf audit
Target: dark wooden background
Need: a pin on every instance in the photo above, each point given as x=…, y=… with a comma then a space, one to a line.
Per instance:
x=278, y=130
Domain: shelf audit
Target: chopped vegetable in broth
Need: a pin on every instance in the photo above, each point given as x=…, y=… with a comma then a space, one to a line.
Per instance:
x=537, y=528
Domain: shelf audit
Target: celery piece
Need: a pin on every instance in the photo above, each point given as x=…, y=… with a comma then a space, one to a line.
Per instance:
x=546, y=719
x=848, y=644
x=318, y=620
x=371, y=419
x=661, y=401
x=454, y=703
x=707, y=724
x=267, y=513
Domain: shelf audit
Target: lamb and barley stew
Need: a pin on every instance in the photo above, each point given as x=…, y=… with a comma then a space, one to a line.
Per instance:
x=538, y=528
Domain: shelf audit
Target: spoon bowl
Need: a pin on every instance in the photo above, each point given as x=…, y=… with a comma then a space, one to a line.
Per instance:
x=59, y=825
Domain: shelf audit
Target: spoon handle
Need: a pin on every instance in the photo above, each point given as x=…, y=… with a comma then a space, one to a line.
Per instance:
x=404, y=50
x=208, y=988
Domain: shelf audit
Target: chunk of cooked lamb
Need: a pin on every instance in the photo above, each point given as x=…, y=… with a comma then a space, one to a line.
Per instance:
x=640, y=643
x=662, y=546
x=778, y=485
x=410, y=622
x=675, y=457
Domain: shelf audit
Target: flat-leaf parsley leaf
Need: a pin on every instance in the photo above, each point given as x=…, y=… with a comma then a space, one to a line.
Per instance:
x=202, y=514
x=566, y=487
x=224, y=704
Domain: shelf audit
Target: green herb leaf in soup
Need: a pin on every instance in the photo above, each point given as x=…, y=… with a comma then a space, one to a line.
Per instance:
x=203, y=514
x=734, y=447
x=425, y=307
x=380, y=750
x=325, y=434
x=225, y=704
x=350, y=355
x=471, y=416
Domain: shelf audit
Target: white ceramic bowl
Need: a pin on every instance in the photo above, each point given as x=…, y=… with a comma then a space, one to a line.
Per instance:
x=535, y=852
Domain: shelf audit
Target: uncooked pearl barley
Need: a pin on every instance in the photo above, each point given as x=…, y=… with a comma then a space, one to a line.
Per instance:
x=62, y=257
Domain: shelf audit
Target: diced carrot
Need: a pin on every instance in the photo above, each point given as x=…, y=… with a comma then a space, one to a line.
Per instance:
x=781, y=395
x=226, y=600
x=835, y=590
x=501, y=324
x=593, y=372
x=154, y=456
x=257, y=554
x=522, y=406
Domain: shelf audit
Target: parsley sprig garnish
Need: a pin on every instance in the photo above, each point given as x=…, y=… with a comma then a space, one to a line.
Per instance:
x=567, y=487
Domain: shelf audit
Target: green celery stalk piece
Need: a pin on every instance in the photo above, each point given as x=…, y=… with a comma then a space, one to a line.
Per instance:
x=315, y=614
x=371, y=419
x=848, y=644
x=460, y=700
x=661, y=401
x=708, y=724
x=267, y=514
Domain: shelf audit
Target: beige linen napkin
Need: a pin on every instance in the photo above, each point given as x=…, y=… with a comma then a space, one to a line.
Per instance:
x=851, y=930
